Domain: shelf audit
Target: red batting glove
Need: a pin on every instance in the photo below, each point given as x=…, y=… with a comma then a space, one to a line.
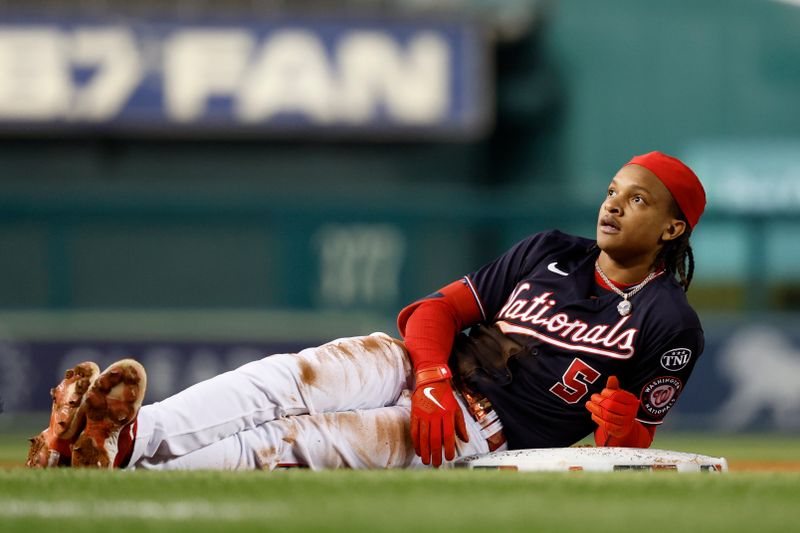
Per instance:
x=436, y=416
x=614, y=409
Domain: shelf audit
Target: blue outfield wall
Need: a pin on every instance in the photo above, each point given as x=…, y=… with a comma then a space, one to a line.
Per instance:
x=748, y=378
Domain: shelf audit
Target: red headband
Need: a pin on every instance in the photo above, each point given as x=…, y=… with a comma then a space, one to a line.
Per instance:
x=679, y=179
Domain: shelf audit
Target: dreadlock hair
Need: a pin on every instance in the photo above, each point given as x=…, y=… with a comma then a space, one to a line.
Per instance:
x=676, y=255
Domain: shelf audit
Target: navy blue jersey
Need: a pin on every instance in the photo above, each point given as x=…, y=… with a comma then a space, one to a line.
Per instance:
x=543, y=293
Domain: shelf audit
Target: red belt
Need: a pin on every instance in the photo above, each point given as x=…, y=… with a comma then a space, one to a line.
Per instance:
x=481, y=410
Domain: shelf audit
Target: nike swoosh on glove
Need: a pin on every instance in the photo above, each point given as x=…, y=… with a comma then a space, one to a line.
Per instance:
x=436, y=418
x=614, y=409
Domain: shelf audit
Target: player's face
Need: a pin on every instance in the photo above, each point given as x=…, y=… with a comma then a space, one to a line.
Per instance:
x=637, y=216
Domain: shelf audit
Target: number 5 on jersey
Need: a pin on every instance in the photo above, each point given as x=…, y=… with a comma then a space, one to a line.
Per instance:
x=573, y=386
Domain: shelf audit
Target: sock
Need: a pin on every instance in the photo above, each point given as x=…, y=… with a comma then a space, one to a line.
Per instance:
x=127, y=436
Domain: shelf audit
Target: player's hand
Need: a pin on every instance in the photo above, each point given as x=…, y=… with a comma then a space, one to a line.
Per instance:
x=436, y=419
x=614, y=409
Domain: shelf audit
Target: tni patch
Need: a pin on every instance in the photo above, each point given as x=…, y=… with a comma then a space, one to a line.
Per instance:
x=676, y=359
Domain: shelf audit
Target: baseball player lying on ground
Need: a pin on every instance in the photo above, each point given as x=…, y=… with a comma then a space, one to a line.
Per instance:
x=568, y=336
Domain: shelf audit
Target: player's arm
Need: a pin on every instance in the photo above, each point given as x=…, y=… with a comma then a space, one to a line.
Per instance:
x=614, y=411
x=429, y=327
x=625, y=419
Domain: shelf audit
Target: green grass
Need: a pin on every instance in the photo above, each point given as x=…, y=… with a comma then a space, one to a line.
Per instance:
x=411, y=501
x=396, y=501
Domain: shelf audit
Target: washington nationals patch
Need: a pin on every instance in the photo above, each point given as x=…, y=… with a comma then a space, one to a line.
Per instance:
x=660, y=395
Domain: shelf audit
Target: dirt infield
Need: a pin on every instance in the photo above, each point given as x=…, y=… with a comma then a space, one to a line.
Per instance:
x=764, y=466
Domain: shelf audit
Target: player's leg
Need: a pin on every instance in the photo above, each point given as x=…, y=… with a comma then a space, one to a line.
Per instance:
x=355, y=439
x=372, y=438
x=345, y=374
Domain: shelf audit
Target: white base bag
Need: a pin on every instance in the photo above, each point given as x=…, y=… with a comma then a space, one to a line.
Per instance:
x=594, y=460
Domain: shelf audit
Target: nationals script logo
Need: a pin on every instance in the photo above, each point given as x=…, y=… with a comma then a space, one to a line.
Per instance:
x=561, y=330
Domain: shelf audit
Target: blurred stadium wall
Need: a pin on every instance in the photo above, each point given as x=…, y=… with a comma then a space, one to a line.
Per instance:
x=199, y=183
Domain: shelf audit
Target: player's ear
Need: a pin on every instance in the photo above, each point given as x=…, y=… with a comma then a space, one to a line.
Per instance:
x=674, y=229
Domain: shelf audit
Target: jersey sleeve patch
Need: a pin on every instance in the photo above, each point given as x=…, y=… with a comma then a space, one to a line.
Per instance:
x=659, y=395
x=676, y=359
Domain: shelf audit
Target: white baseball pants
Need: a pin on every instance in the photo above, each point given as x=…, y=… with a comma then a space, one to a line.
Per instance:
x=346, y=404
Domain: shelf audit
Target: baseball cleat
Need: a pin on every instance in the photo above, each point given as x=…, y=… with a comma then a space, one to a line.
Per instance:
x=112, y=403
x=51, y=447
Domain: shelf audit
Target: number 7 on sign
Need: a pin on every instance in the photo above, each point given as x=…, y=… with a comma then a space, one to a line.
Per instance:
x=573, y=385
